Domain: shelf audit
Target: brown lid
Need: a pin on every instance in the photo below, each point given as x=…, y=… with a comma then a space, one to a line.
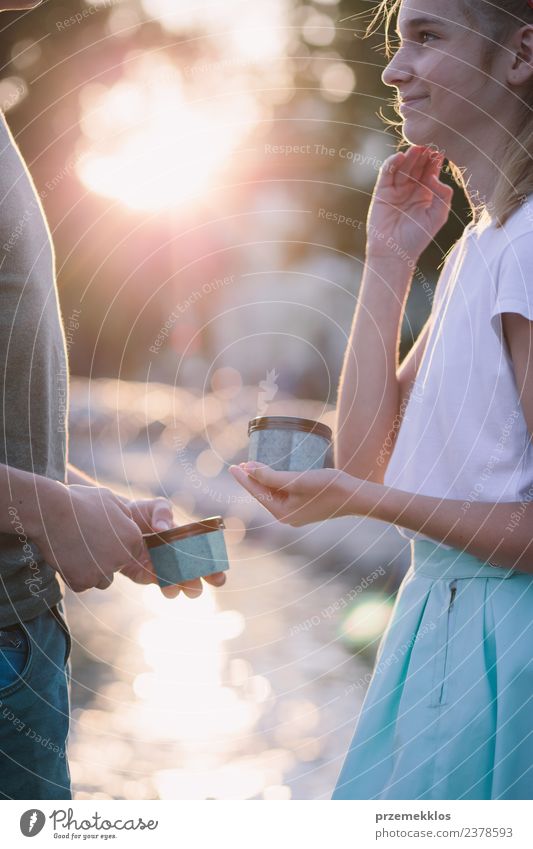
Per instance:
x=204, y=526
x=289, y=423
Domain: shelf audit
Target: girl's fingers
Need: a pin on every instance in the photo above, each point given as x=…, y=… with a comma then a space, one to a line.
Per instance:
x=427, y=157
x=442, y=191
x=262, y=493
x=250, y=484
x=409, y=165
x=390, y=169
x=416, y=167
x=432, y=168
x=267, y=476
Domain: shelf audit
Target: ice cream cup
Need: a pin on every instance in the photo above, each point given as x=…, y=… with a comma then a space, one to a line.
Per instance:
x=188, y=551
x=288, y=443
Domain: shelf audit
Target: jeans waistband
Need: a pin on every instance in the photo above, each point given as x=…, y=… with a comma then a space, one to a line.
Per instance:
x=434, y=561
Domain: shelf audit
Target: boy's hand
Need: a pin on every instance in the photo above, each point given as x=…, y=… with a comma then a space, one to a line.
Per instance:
x=151, y=514
x=155, y=514
x=87, y=533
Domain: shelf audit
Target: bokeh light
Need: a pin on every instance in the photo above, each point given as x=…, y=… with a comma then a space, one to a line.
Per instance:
x=151, y=147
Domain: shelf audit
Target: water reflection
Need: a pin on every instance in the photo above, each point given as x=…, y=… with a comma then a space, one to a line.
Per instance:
x=182, y=699
x=184, y=696
x=246, y=692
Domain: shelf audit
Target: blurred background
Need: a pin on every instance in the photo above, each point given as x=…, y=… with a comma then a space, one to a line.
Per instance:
x=194, y=159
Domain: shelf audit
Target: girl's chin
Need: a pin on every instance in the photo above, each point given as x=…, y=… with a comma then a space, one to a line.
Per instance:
x=417, y=130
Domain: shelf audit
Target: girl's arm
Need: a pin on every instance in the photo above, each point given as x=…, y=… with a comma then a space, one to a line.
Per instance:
x=500, y=533
x=369, y=392
x=409, y=206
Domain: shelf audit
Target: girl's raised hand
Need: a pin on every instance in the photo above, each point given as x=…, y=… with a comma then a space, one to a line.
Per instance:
x=299, y=498
x=409, y=204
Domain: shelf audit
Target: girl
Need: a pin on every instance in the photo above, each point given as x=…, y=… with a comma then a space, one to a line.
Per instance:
x=441, y=446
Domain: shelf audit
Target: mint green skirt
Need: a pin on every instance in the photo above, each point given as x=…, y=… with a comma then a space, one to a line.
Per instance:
x=449, y=710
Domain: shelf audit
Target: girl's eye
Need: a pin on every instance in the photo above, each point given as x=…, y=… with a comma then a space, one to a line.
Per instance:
x=422, y=38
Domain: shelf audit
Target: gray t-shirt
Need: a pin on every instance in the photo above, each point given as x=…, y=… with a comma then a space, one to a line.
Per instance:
x=34, y=377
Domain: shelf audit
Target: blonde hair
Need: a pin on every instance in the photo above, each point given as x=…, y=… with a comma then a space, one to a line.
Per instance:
x=497, y=21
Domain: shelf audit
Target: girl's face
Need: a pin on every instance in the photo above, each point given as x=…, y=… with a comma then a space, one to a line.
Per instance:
x=446, y=99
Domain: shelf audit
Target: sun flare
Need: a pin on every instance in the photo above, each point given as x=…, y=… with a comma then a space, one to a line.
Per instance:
x=149, y=146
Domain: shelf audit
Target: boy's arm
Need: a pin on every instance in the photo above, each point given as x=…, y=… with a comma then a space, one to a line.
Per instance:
x=22, y=496
x=149, y=514
x=86, y=533
x=75, y=475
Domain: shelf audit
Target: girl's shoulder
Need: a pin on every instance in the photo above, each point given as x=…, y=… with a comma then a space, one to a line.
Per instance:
x=484, y=251
x=492, y=243
x=519, y=222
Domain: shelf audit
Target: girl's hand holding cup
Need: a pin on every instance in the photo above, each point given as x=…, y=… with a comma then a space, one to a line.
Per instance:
x=301, y=498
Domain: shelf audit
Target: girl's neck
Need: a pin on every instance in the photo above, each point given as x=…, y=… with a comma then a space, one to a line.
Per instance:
x=478, y=160
x=480, y=177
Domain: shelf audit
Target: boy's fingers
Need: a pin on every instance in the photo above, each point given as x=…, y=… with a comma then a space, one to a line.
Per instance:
x=192, y=589
x=162, y=518
x=171, y=591
x=217, y=579
x=104, y=582
x=140, y=571
x=147, y=574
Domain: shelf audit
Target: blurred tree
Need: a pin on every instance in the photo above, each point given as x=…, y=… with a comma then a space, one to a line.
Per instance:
x=323, y=99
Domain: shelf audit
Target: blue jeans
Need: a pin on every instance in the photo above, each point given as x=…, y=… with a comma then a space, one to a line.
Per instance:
x=35, y=708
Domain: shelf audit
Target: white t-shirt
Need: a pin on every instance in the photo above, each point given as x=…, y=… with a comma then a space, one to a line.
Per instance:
x=464, y=435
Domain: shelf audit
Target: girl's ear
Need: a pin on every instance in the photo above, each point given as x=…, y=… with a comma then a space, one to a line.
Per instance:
x=521, y=71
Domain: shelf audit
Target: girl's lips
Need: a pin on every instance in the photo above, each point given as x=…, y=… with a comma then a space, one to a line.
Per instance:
x=414, y=102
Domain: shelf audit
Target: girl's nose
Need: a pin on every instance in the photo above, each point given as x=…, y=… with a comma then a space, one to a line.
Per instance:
x=395, y=74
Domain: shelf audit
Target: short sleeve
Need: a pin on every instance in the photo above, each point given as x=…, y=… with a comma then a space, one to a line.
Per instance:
x=514, y=284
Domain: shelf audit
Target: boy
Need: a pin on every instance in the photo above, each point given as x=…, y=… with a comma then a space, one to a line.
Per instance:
x=53, y=519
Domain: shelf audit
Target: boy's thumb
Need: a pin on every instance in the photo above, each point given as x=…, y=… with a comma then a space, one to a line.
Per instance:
x=162, y=518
